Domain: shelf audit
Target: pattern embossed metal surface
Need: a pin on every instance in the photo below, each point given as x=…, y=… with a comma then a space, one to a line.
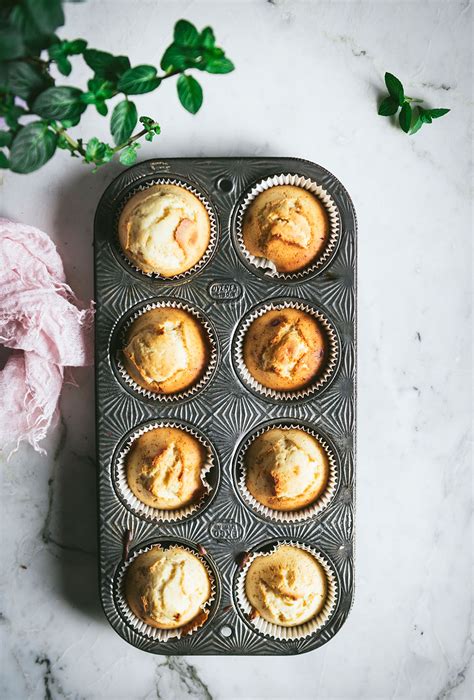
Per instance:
x=225, y=289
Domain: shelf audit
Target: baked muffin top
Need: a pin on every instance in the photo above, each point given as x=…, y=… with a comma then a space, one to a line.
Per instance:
x=166, y=350
x=164, y=468
x=284, y=349
x=164, y=229
x=287, y=225
x=167, y=588
x=286, y=469
x=287, y=587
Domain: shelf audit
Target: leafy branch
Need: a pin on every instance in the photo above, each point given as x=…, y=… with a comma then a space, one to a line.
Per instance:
x=30, y=48
x=411, y=119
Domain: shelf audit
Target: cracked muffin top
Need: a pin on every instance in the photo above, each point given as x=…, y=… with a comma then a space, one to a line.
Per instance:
x=166, y=350
x=167, y=588
x=287, y=225
x=164, y=229
x=287, y=587
x=286, y=469
x=284, y=349
x=164, y=468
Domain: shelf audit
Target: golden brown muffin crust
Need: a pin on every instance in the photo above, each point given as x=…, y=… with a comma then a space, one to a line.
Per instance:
x=287, y=225
x=164, y=468
x=286, y=469
x=164, y=229
x=166, y=350
x=284, y=349
x=167, y=588
x=287, y=587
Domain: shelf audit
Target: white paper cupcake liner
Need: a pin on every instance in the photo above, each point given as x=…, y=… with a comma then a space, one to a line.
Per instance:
x=143, y=628
x=160, y=514
x=319, y=381
x=294, y=516
x=194, y=388
x=279, y=632
x=212, y=221
x=267, y=266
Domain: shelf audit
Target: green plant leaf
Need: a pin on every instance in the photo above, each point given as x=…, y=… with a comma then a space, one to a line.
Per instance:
x=105, y=65
x=179, y=58
x=11, y=44
x=424, y=115
x=25, y=80
x=48, y=15
x=405, y=117
x=101, y=107
x=129, y=155
x=219, y=65
x=5, y=138
x=388, y=106
x=437, y=113
x=185, y=33
x=416, y=125
x=189, y=93
x=395, y=88
x=59, y=103
x=207, y=39
x=4, y=162
x=101, y=88
x=75, y=47
x=123, y=121
x=139, y=80
x=64, y=65
x=32, y=147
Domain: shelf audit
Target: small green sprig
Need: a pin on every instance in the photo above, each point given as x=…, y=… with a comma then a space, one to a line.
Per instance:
x=411, y=119
x=30, y=48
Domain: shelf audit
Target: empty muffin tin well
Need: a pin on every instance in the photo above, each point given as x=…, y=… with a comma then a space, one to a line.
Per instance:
x=224, y=291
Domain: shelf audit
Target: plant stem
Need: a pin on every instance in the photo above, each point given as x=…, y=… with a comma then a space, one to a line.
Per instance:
x=413, y=99
x=75, y=146
x=129, y=141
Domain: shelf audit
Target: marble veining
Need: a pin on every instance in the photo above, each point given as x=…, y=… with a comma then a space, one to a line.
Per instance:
x=308, y=79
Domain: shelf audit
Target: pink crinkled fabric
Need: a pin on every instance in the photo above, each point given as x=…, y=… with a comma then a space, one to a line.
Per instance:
x=41, y=321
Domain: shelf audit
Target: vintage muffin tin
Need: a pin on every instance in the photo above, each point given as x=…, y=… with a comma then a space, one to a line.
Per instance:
x=225, y=411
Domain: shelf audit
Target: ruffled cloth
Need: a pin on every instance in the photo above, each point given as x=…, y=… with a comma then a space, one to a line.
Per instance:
x=41, y=321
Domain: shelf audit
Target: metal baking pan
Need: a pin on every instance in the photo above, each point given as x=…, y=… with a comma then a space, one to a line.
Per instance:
x=226, y=410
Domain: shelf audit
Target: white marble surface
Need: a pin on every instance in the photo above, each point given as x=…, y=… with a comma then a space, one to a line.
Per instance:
x=307, y=80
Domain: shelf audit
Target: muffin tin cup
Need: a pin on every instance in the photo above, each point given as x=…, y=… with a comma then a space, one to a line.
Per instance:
x=279, y=632
x=267, y=267
x=194, y=388
x=321, y=380
x=295, y=516
x=160, y=514
x=142, y=627
x=213, y=236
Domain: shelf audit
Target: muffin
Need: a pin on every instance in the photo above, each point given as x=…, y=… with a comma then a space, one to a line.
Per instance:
x=164, y=229
x=167, y=588
x=164, y=468
x=284, y=349
x=287, y=225
x=286, y=469
x=287, y=587
x=166, y=350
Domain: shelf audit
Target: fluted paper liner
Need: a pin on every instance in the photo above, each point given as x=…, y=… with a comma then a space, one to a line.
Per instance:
x=267, y=266
x=319, y=380
x=294, y=516
x=269, y=629
x=161, y=635
x=160, y=514
x=209, y=252
x=194, y=388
